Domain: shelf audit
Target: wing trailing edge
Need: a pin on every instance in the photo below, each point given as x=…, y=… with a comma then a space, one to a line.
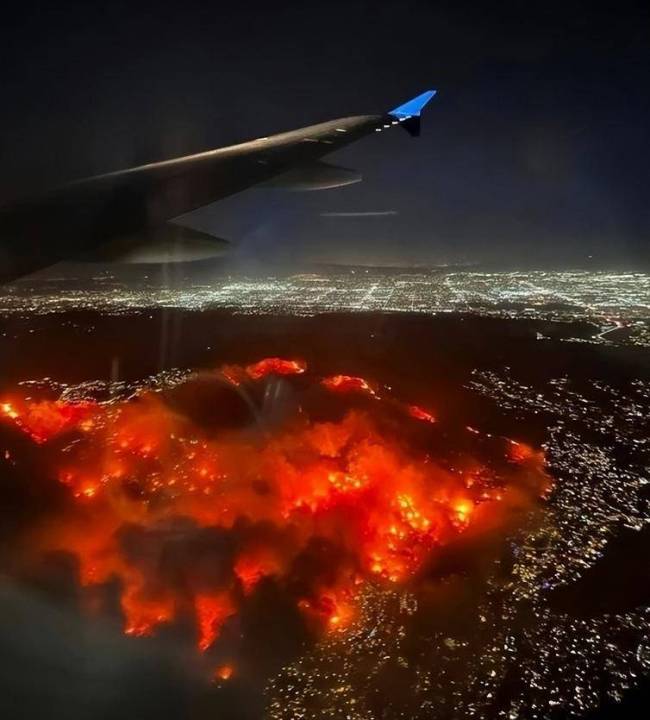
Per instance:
x=167, y=243
x=317, y=175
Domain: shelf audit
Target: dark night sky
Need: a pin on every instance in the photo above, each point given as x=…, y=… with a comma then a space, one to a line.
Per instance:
x=535, y=150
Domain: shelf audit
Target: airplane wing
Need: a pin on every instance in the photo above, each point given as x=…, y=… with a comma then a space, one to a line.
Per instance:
x=122, y=215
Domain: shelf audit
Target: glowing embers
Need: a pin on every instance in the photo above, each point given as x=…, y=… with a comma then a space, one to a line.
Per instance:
x=223, y=673
x=45, y=419
x=417, y=519
x=195, y=521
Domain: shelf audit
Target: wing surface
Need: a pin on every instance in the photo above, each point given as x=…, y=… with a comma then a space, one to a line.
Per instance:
x=82, y=216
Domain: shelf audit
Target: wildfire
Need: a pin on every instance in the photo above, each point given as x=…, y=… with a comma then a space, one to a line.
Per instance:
x=347, y=383
x=144, y=615
x=463, y=510
x=275, y=366
x=223, y=672
x=46, y=419
x=415, y=411
x=251, y=566
x=520, y=452
x=341, y=615
x=236, y=374
x=334, y=610
x=212, y=612
x=319, y=508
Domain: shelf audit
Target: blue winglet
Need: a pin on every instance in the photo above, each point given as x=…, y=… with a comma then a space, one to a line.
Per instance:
x=413, y=107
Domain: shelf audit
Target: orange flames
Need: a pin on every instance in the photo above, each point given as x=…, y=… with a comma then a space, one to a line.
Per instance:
x=275, y=366
x=223, y=672
x=318, y=508
x=251, y=566
x=520, y=452
x=144, y=614
x=347, y=383
x=333, y=610
x=211, y=613
x=46, y=419
x=415, y=411
x=236, y=374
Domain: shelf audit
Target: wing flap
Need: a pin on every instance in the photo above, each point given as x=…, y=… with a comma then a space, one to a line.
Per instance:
x=315, y=176
x=169, y=243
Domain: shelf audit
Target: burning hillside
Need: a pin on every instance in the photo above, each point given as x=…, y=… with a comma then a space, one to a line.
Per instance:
x=190, y=518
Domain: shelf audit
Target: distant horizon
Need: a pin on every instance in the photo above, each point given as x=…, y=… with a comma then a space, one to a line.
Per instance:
x=203, y=272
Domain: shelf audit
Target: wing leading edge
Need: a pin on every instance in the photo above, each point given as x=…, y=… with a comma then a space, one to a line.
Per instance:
x=79, y=219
